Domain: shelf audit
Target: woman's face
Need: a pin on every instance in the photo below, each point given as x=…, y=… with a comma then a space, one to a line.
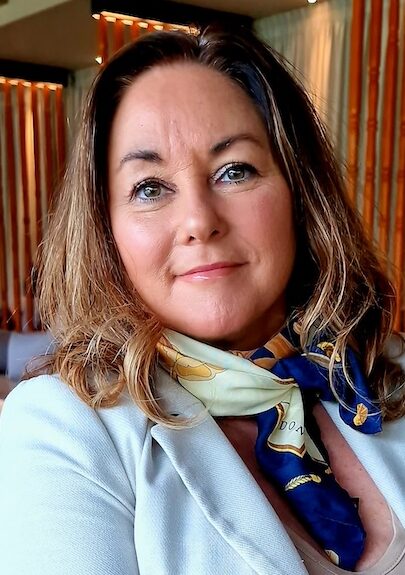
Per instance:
x=200, y=213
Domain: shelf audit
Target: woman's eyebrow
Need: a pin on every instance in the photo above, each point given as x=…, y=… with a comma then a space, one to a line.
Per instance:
x=154, y=157
x=227, y=142
x=145, y=155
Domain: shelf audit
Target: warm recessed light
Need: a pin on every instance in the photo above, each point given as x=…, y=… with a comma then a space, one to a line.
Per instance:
x=99, y=59
x=311, y=1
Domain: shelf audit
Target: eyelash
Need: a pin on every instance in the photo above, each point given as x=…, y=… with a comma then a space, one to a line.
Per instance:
x=238, y=165
x=136, y=189
x=222, y=172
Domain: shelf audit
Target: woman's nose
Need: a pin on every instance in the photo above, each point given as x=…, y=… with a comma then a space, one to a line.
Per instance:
x=201, y=217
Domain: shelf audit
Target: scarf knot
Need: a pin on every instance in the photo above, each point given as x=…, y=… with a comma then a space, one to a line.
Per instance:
x=279, y=384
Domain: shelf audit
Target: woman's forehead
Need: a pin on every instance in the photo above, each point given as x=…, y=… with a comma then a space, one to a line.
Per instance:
x=183, y=104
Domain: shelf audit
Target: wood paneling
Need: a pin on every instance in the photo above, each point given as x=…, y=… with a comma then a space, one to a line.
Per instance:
x=60, y=130
x=49, y=169
x=355, y=93
x=27, y=261
x=399, y=224
x=119, y=34
x=3, y=268
x=37, y=164
x=102, y=39
x=373, y=91
x=13, y=216
x=31, y=162
x=388, y=126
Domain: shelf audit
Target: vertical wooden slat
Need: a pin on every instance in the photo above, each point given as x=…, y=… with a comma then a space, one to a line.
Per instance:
x=388, y=125
x=135, y=31
x=102, y=39
x=371, y=146
x=399, y=227
x=3, y=265
x=119, y=32
x=26, y=210
x=48, y=143
x=37, y=164
x=61, y=131
x=12, y=191
x=355, y=91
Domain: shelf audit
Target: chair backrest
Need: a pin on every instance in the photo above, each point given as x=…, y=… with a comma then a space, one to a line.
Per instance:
x=19, y=349
x=395, y=350
x=4, y=338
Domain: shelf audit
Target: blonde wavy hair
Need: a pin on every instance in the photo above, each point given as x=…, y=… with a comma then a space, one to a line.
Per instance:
x=106, y=337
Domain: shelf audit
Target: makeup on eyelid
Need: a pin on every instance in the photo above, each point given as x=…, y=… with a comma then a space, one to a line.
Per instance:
x=223, y=171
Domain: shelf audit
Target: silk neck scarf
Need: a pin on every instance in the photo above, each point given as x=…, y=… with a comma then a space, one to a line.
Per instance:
x=278, y=384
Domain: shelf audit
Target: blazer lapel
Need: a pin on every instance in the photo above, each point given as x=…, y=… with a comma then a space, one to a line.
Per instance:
x=221, y=485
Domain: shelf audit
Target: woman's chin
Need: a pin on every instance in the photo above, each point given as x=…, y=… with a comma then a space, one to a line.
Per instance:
x=226, y=324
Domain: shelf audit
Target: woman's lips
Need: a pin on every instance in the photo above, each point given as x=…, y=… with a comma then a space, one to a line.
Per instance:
x=211, y=271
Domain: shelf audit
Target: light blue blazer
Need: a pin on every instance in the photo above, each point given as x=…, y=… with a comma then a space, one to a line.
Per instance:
x=107, y=492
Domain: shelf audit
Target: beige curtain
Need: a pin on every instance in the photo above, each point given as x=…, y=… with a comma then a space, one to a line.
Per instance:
x=315, y=40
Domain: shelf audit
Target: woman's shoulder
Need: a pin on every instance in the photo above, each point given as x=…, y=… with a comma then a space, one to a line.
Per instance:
x=50, y=399
x=68, y=475
x=43, y=414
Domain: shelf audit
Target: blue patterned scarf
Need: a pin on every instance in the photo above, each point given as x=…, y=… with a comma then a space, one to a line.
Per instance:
x=279, y=383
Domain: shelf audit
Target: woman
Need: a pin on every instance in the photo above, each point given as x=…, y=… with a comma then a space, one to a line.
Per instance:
x=206, y=282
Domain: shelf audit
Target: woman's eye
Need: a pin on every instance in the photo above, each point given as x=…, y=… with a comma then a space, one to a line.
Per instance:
x=235, y=173
x=148, y=191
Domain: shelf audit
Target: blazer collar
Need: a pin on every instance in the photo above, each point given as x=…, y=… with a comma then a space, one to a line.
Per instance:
x=221, y=485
